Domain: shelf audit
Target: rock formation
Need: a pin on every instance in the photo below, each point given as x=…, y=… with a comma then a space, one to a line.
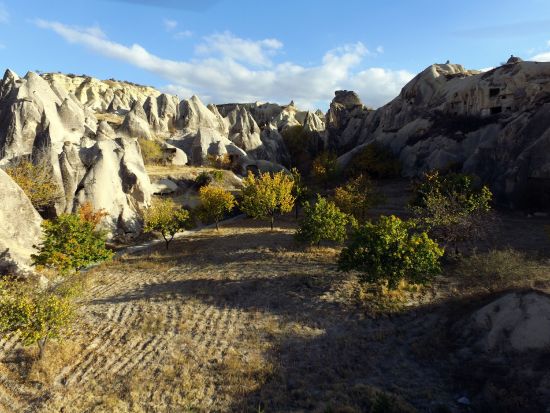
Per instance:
x=19, y=228
x=88, y=161
x=493, y=124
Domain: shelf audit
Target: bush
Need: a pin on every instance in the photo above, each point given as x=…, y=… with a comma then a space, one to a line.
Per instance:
x=220, y=162
x=35, y=315
x=356, y=197
x=151, y=151
x=215, y=203
x=166, y=217
x=451, y=207
x=72, y=242
x=267, y=195
x=203, y=179
x=37, y=180
x=322, y=221
x=375, y=161
x=391, y=251
x=325, y=168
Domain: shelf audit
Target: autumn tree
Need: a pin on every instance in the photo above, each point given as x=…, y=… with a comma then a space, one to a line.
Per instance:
x=268, y=195
x=215, y=203
x=166, y=217
x=300, y=191
x=35, y=177
x=356, y=197
x=73, y=241
x=325, y=167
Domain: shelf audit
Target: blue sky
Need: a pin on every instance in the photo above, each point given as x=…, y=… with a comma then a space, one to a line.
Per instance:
x=241, y=50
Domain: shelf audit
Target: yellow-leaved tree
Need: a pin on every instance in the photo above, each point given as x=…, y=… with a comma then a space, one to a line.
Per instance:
x=215, y=203
x=267, y=195
x=166, y=217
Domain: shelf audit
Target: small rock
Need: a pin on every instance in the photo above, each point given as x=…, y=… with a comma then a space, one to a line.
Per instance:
x=464, y=401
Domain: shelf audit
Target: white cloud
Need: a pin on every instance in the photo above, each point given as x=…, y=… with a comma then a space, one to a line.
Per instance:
x=380, y=49
x=228, y=45
x=541, y=57
x=4, y=14
x=231, y=69
x=183, y=34
x=170, y=25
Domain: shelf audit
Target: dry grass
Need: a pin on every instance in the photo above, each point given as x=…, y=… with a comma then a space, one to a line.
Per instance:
x=113, y=119
x=246, y=320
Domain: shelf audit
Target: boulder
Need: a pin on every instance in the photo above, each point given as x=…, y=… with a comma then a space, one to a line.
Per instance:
x=19, y=228
x=164, y=186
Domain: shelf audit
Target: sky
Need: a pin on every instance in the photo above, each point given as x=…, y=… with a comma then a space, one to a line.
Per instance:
x=244, y=50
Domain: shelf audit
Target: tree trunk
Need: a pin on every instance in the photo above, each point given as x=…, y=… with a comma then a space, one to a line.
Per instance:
x=272, y=221
x=41, y=347
x=217, y=226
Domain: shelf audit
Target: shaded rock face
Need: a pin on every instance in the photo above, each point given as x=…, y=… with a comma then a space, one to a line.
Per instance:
x=88, y=161
x=493, y=124
x=345, y=120
x=19, y=228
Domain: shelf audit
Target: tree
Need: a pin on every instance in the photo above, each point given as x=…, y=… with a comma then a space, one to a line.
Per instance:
x=451, y=207
x=299, y=190
x=72, y=241
x=390, y=251
x=325, y=167
x=322, y=221
x=356, y=197
x=375, y=161
x=166, y=217
x=215, y=203
x=36, y=179
x=35, y=315
x=267, y=195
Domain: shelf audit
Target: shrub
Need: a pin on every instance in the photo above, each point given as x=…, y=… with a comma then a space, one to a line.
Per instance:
x=267, y=195
x=203, y=179
x=166, y=217
x=325, y=167
x=151, y=151
x=215, y=203
x=36, y=316
x=390, y=251
x=220, y=162
x=217, y=175
x=322, y=221
x=72, y=242
x=37, y=180
x=375, y=161
x=451, y=207
x=356, y=197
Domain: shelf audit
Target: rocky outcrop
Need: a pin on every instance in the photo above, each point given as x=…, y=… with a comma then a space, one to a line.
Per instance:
x=136, y=123
x=19, y=228
x=345, y=120
x=492, y=124
x=101, y=95
x=89, y=162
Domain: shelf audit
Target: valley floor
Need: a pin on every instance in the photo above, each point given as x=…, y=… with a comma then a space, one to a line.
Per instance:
x=241, y=320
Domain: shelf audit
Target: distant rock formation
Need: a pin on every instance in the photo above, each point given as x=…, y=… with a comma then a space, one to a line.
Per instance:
x=494, y=124
x=19, y=228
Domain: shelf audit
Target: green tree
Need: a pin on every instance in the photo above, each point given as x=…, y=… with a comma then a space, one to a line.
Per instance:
x=36, y=316
x=72, y=241
x=166, y=217
x=322, y=221
x=356, y=197
x=452, y=207
x=268, y=195
x=151, y=151
x=390, y=251
x=215, y=203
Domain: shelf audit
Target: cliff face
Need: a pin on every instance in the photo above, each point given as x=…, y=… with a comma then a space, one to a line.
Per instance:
x=493, y=124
